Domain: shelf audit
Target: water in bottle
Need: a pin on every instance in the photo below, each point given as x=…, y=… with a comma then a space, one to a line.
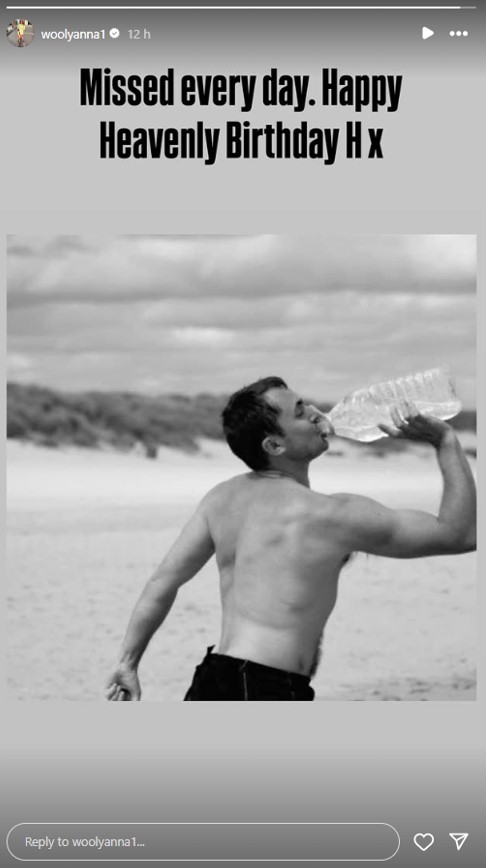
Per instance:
x=358, y=415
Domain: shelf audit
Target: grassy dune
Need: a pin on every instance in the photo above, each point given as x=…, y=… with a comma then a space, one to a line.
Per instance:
x=124, y=420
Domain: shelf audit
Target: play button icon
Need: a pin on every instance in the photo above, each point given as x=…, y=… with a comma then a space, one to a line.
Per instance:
x=427, y=32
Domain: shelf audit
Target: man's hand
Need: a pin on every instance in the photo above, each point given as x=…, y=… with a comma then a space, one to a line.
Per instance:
x=190, y=552
x=123, y=685
x=412, y=425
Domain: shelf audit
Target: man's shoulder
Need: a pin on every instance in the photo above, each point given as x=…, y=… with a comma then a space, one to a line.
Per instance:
x=220, y=492
x=353, y=512
x=337, y=506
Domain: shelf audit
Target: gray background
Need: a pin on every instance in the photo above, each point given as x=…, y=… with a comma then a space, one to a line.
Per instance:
x=417, y=766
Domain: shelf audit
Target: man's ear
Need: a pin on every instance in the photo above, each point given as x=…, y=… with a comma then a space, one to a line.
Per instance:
x=272, y=446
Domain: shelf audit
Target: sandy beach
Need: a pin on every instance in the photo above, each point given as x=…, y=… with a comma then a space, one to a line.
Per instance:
x=86, y=528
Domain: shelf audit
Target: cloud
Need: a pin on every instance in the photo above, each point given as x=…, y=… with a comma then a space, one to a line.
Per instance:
x=86, y=270
x=19, y=366
x=208, y=313
x=205, y=337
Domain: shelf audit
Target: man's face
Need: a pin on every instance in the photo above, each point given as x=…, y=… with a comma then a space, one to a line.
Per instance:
x=301, y=437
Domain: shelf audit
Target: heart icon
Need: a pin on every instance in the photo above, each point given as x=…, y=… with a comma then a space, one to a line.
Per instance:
x=423, y=840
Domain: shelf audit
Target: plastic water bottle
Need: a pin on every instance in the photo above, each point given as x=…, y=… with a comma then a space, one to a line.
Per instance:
x=358, y=415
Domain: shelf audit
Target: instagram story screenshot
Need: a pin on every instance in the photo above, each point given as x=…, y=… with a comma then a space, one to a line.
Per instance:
x=243, y=348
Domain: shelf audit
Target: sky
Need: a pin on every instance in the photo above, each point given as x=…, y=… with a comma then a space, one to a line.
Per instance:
x=191, y=314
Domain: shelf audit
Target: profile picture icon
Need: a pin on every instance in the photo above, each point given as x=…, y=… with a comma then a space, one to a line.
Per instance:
x=20, y=32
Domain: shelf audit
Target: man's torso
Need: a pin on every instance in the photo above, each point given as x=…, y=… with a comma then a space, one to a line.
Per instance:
x=279, y=559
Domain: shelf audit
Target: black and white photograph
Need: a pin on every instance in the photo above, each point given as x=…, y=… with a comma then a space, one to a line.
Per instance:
x=241, y=467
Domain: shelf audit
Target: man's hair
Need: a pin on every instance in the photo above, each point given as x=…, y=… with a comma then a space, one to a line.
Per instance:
x=248, y=419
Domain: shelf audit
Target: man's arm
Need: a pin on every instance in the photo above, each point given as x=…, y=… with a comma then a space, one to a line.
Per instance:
x=372, y=528
x=187, y=556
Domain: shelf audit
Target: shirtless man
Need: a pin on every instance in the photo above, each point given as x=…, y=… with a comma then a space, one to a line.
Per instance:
x=280, y=547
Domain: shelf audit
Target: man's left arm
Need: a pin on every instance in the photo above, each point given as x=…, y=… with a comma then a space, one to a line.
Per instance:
x=190, y=552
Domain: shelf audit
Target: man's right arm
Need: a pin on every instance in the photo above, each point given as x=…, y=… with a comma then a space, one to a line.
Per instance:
x=370, y=527
x=187, y=556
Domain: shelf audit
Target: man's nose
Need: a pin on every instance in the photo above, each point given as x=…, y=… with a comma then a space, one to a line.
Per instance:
x=313, y=413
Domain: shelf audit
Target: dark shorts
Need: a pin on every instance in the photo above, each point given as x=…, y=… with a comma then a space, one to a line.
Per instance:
x=224, y=678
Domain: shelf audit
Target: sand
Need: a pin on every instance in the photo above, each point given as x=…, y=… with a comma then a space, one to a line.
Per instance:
x=85, y=530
